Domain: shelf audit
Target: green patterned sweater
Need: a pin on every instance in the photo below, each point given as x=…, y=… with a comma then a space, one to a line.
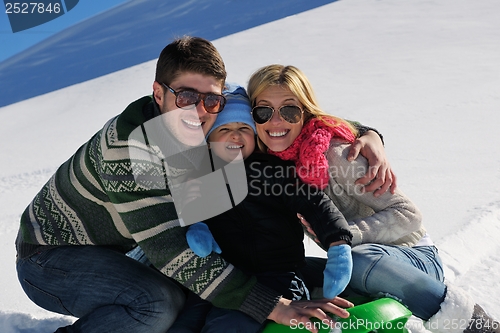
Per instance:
x=103, y=196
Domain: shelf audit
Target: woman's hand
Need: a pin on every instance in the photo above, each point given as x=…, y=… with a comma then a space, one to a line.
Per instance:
x=294, y=313
x=380, y=177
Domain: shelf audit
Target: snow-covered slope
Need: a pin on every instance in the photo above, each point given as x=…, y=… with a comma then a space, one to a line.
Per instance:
x=129, y=34
x=425, y=73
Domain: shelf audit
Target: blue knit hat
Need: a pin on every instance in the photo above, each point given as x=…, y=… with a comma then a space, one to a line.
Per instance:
x=237, y=108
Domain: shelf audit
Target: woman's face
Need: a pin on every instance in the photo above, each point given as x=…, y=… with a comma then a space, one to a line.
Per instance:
x=278, y=134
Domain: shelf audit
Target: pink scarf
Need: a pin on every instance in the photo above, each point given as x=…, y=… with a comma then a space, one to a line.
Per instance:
x=309, y=148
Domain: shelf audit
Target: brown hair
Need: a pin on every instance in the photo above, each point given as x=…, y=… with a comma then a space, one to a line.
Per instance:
x=189, y=54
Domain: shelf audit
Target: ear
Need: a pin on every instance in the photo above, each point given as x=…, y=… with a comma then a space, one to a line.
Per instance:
x=158, y=93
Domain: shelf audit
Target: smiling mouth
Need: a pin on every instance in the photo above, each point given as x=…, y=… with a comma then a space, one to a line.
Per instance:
x=190, y=123
x=278, y=134
x=235, y=146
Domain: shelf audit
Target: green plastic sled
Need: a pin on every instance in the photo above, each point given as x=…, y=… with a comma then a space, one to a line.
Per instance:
x=384, y=315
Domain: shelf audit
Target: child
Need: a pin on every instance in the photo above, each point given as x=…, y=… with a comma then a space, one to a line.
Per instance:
x=261, y=235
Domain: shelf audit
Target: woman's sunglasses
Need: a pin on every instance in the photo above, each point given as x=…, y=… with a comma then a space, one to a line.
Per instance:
x=185, y=99
x=289, y=113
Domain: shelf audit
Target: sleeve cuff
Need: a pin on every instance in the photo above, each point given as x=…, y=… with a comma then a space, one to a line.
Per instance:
x=338, y=237
x=363, y=129
x=260, y=302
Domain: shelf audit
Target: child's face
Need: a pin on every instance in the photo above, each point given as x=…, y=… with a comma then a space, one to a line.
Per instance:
x=229, y=139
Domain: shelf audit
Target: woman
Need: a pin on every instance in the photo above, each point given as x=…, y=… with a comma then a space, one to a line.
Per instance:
x=260, y=235
x=392, y=253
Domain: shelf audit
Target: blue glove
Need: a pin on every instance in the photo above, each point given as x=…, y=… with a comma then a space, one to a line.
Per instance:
x=338, y=271
x=201, y=241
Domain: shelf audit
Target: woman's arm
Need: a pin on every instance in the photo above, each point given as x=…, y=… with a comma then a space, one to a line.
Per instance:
x=388, y=219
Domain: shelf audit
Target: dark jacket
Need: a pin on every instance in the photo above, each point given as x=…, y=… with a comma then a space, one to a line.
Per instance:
x=262, y=233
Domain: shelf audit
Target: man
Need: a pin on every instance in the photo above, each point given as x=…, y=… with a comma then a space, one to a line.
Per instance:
x=108, y=198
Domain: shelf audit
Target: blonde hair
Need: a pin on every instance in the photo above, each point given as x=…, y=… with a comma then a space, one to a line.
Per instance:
x=294, y=79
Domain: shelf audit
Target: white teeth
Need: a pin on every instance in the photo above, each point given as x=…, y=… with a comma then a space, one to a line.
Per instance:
x=276, y=134
x=235, y=146
x=192, y=122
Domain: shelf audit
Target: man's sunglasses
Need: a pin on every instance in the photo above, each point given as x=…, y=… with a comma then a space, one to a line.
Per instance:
x=185, y=99
x=289, y=113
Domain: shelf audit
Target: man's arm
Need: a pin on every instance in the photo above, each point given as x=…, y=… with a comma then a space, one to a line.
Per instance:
x=289, y=312
x=380, y=177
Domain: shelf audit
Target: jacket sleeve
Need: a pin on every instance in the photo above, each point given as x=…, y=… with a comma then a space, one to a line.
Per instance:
x=145, y=212
x=320, y=212
x=388, y=219
x=325, y=219
x=362, y=129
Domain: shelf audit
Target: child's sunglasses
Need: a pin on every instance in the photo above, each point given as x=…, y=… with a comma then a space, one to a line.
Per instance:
x=289, y=113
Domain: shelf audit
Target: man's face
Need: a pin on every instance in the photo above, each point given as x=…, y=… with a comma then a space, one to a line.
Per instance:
x=188, y=125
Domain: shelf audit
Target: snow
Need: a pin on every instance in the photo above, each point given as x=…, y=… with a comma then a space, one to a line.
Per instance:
x=425, y=73
x=129, y=34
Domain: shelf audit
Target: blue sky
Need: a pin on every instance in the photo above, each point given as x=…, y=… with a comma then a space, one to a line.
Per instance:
x=13, y=43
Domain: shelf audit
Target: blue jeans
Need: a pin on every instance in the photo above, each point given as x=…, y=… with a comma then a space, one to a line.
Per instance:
x=192, y=317
x=414, y=275
x=233, y=321
x=106, y=290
